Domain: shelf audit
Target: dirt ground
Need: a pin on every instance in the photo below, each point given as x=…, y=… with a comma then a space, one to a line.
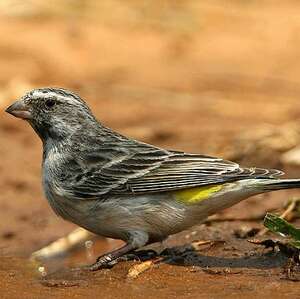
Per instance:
x=186, y=75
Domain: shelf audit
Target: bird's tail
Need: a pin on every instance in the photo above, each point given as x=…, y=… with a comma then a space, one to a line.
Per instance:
x=278, y=184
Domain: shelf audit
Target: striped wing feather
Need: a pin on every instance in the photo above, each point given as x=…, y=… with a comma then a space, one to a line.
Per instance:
x=150, y=169
x=182, y=170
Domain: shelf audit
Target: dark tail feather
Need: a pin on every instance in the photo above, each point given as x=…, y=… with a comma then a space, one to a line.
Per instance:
x=273, y=184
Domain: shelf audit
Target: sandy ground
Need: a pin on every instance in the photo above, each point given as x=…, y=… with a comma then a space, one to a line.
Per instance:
x=197, y=84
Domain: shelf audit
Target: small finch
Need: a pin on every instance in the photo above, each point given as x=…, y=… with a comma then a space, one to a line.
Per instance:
x=124, y=189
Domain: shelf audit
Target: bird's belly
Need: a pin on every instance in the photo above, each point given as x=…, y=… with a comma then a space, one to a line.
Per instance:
x=117, y=217
x=158, y=215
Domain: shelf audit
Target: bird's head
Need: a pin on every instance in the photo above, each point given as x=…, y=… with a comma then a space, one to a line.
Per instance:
x=53, y=112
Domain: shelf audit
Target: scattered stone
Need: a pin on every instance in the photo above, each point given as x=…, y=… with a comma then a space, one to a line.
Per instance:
x=246, y=232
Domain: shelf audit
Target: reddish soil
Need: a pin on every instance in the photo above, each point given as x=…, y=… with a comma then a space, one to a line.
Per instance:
x=193, y=85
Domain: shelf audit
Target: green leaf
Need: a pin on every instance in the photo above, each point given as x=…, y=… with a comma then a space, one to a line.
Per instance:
x=280, y=226
x=295, y=244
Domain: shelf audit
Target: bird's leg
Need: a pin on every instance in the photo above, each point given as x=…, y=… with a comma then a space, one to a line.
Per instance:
x=107, y=259
x=136, y=240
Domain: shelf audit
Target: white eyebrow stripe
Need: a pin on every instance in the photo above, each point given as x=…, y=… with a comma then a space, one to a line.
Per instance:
x=69, y=98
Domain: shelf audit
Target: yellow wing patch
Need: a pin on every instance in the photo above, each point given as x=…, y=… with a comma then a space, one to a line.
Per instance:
x=195, y=195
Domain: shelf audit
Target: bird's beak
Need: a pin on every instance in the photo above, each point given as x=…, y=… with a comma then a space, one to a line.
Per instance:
x=19, y=109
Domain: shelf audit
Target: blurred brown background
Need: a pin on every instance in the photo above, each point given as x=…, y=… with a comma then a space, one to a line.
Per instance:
x=214, y=77
x=191, y=75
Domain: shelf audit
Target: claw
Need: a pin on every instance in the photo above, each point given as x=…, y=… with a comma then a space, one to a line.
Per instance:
x=107, y=261
x=103, y=262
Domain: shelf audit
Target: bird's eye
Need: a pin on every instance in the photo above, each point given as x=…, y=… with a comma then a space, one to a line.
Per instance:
x=50, y=103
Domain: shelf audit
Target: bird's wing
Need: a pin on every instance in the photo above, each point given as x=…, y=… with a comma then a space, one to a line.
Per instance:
x=150, y=170
x=182, y=170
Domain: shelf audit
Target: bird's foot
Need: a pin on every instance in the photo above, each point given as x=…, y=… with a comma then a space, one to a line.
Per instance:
x=107, y=261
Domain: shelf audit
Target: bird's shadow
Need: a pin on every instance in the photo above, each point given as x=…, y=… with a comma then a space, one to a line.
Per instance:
x=187, y=256
x=265, y=261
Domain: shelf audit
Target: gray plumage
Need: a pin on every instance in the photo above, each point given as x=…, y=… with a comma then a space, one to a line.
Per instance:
x=121, y=188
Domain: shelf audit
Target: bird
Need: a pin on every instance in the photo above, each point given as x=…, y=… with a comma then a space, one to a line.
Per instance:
x=121, y=188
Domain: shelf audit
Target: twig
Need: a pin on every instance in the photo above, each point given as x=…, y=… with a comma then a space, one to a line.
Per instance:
x=64, y=244
x=197, y=244
x=216, y=218
x=138, y=269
